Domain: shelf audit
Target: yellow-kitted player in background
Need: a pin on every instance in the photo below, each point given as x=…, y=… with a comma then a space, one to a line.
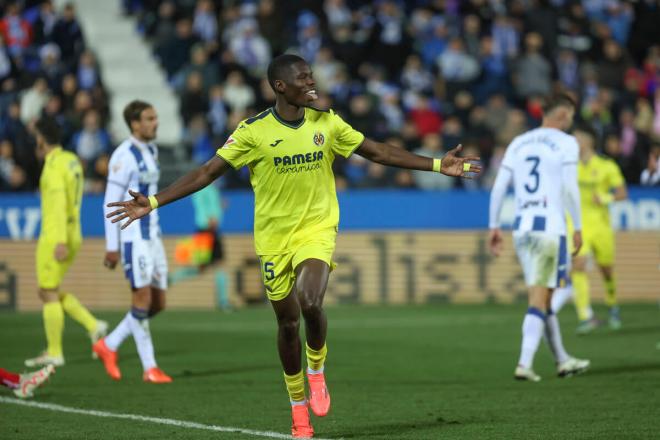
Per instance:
x=61, y=187
x=601, y=183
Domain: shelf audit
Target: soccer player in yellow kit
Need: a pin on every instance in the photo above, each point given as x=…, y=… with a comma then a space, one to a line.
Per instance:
x=61, y=186
x=289, y=150
x=601, y=183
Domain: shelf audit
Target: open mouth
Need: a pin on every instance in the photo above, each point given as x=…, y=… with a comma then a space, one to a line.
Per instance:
x=312, y=94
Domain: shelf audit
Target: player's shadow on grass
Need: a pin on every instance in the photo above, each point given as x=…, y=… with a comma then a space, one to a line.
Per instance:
x=622, y=369
x=395, y=429
x=191, y=374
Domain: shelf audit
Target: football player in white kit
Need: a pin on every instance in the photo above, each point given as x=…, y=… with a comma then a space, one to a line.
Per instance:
x=134, y=168
x=542, y=164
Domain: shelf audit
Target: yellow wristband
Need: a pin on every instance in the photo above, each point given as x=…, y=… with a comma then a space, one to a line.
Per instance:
x=466, y=167
x=153, y=202
x=437, y=165
x=606, y=198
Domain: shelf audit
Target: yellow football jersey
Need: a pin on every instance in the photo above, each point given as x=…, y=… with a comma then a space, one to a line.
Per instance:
x=61, y=186
x=291, y=174
x=600, y=175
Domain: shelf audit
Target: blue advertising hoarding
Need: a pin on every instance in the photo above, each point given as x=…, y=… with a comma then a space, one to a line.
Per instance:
x=360, y=210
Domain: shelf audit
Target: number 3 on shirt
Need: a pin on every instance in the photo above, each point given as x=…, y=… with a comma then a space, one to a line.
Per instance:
x=534, y=173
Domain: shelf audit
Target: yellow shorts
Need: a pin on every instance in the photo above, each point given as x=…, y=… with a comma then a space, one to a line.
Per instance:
x=599, y=241
x=50, y=272
x=278, y=272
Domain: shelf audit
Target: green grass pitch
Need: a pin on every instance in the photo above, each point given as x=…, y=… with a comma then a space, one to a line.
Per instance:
x=413, y=372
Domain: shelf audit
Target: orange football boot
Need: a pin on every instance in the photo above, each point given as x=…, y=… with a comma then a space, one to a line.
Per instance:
x=156, y=375
x=108, y=357
x=301, y=426
x=319, y=397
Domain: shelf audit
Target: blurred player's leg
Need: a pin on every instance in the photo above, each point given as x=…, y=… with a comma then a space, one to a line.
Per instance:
x=30, y=381
x=532, y=331
x=604, y=251
x=553, y=336
x=96, y=328
x=142, y=310
x=53, y=316
x=609, y=280
x=560, y=297
x=582, y=297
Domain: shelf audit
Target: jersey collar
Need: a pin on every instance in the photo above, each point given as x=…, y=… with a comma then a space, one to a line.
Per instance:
x=53, y=152
x=138, y=143
x=291, y=124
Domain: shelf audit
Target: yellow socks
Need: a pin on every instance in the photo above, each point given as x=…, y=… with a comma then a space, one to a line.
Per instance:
x=610, y=292
x=54, y=326
x=581, y=295
x=77, y=311
x=295, y=385
x=316, y=358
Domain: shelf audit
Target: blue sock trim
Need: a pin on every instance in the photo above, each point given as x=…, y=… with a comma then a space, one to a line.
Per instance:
x=536, y=312
x=550, y=312
x=139, y=314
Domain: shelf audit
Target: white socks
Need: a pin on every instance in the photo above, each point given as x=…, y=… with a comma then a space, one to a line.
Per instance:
x=532, y=330
x=560, y=297
x=553, y=336
x=121, y=332
x=139, y=323
x=136, y=322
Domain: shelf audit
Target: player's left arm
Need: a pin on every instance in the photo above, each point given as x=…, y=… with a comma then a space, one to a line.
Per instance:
x=572, y=193
x=450, y=164
x=616, y=184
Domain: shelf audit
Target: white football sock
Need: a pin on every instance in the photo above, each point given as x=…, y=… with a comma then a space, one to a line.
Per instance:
x=142, y=337
x=121, y=332
x=532, y=330
x=553, y=337
x=560, y=297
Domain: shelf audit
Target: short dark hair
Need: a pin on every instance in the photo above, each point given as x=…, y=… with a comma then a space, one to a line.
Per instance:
x=133, y=111
x=280, y=65
x=558, y=100
x=48, y=127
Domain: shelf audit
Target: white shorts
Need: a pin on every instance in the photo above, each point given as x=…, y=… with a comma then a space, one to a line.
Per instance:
x=543, y=257
x=145, y=263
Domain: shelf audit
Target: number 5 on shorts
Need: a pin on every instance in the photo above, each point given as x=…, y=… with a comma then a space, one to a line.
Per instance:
x=269, y=273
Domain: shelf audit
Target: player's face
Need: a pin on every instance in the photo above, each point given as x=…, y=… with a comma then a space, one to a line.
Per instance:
x=300, y=87
x=569, y=113
x=585, y=141
x=147, y=126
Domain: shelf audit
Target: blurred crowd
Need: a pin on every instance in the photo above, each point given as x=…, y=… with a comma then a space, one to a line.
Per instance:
x=45, y=68
x=421, y=74
x=424, y=75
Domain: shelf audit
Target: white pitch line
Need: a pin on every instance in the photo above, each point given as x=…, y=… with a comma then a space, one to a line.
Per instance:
x=139, y=418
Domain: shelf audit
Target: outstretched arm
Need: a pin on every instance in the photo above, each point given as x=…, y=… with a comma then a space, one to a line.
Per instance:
x=451, y=165
x=186, y=185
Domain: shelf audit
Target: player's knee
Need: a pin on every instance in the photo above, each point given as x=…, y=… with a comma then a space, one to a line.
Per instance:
x=157, y=306
x=310, y=303
x=289, y=327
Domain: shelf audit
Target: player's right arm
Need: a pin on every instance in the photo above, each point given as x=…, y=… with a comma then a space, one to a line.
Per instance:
x=235, y=153
x=195, y=180
x=502, y=181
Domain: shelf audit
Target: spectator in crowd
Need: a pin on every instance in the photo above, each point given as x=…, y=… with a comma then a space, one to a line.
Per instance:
x=425, y=115
x=238, y=95
x=88, y=72
x=92, y=141
x=249, y=48
x=205, y=25
x=12, y=176
x=34, y=100
x=7, y=66
x=199, y=63
x=651, y=175
x=68, y=35
x=194, y=98
x=51, y=66
x=218, y=114
x=44, y=25
x=174, y=52
x=15, y=31
x=532, y=74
